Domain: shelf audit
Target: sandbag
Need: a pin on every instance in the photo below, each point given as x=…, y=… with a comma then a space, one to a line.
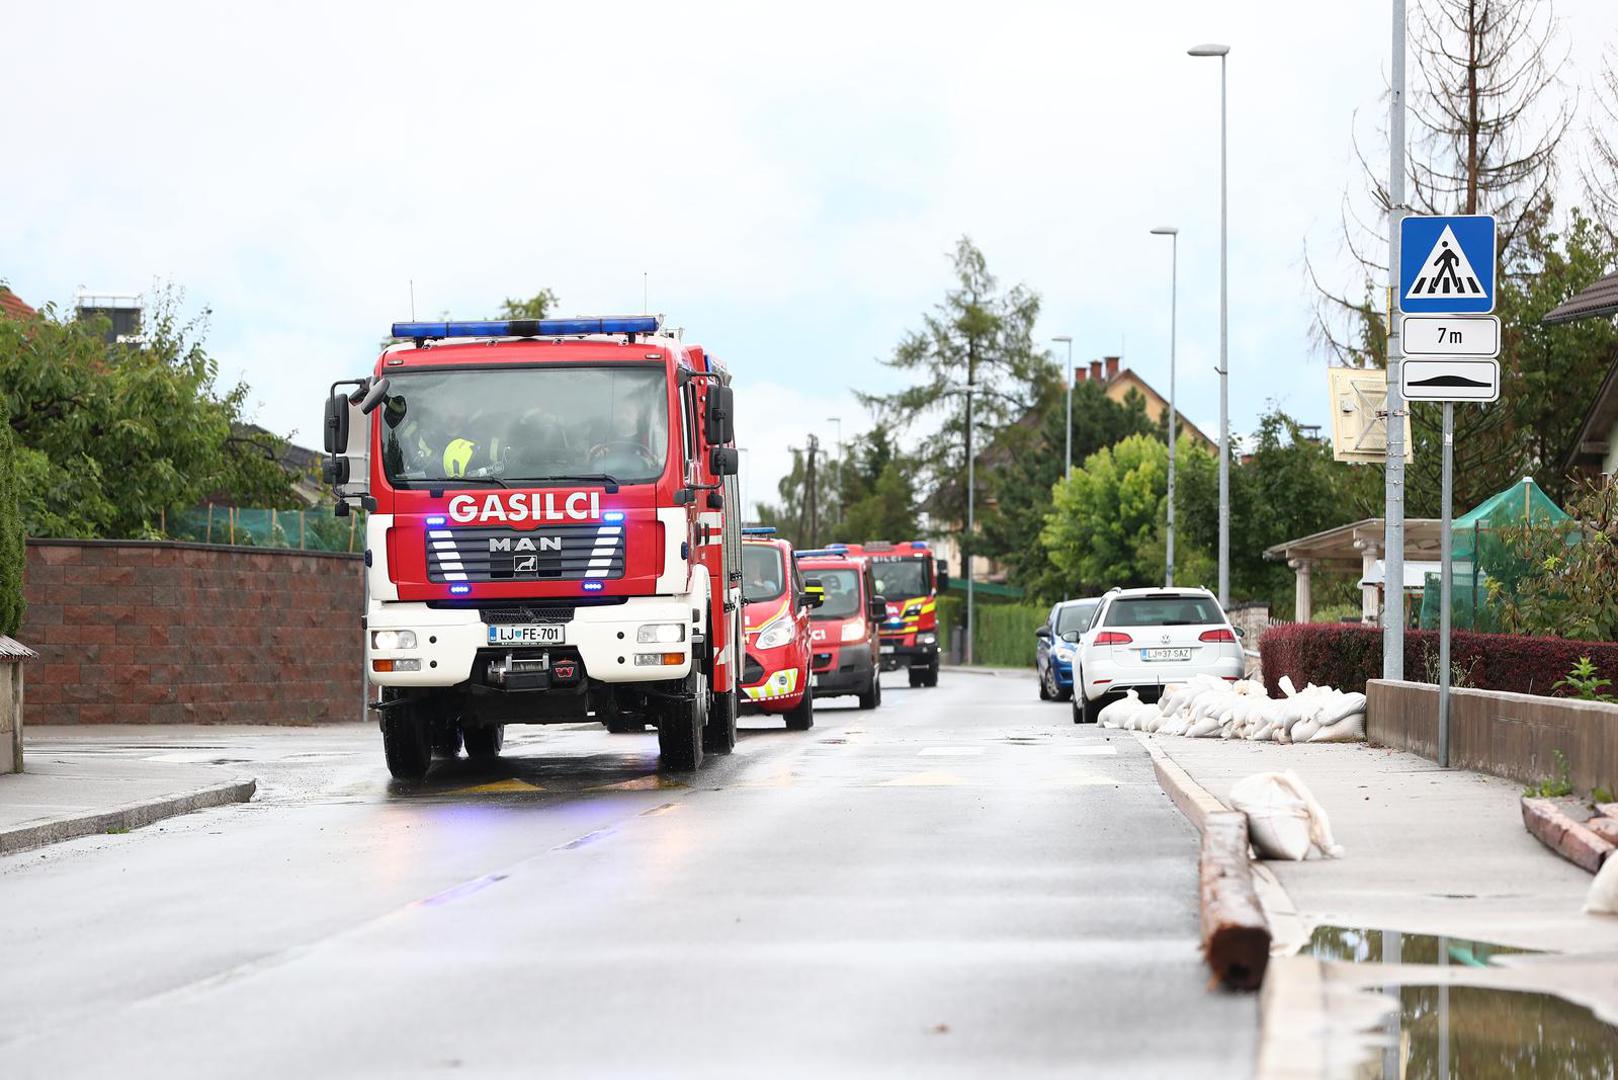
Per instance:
x=1283, y=818
x=1303, y=730
x=1348, y=729
x=1603, y=896
x=1114, y=713
x=1203, y=729
x=1339, y=707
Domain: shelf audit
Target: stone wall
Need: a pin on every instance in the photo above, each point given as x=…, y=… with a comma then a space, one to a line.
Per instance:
x=1517, y=736
x=164, y=632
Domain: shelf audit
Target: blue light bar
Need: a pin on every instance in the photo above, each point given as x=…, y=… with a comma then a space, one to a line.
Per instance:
x=758, y=530
x=836, y=547
x=460, y=590
x=593, y=586
x=437, y=519
x=613, y=515
x=616, y=324
x=816, y=552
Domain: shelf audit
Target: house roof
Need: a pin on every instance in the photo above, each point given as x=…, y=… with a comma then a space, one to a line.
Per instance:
x=1344, y=546
x=1601, y=298
x=12, y=305
x=1181, y=424
x=1590, y=444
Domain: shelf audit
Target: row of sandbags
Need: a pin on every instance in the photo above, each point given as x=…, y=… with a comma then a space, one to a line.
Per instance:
x=1207, y=707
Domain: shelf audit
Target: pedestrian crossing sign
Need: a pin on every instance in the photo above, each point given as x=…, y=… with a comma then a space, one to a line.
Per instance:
x=1447, y=264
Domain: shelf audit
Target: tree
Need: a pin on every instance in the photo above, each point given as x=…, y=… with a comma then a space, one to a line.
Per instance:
x=1568, y=589
x=876, y=492
x=791, y=517
x=112, y=437
x=1028, y=458
x=1105, y=525
x=12, y=551
x=537, y=306
x=1600, y=172
x=979, y=337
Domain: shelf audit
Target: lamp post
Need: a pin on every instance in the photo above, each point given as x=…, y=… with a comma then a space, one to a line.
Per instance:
x=1222, y=51
x=1174, y=304
x=1068, y=377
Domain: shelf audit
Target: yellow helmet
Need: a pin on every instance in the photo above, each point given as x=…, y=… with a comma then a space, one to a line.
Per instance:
x=457, y=456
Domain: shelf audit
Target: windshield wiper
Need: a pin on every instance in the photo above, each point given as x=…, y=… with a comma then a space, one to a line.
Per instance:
x=608, y=479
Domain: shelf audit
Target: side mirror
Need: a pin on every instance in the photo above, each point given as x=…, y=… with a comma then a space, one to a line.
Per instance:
x=1043, y=633
x=879, y=608
x=724, y=460
x=813, y=595
x=337, y=424
x=374, y=396
x=1240, y=633
x=943, y=575
x=719, y=418
x=335, y=468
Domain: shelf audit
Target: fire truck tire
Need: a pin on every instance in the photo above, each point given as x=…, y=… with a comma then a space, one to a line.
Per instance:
x=873, y=697
x=932, y=674
x=719, y=737
x=801, y=717
x=406, y=742
x=483, y=743
x=918, y=677
x=446, y=736
x=679, y=727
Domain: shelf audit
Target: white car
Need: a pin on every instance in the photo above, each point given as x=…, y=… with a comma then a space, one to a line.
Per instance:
x=1141, y=639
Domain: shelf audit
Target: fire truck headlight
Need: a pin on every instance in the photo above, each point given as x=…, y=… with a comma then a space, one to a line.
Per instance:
x=775, y=635
x=667, y=633
x=912, y=611
x=389, y=640
x=927, y=639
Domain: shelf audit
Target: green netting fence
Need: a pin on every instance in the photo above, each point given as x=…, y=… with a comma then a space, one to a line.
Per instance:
x=306, y=530
x=1482, y=555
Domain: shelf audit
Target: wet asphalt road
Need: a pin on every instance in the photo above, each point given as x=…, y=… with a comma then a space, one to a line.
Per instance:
x=961, y=882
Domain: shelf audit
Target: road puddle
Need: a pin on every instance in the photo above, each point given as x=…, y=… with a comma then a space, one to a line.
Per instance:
x=1452, y=1031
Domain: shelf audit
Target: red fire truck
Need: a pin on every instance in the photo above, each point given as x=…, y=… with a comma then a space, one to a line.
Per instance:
x=911, y=579
x=846, y=660
x=552, y=533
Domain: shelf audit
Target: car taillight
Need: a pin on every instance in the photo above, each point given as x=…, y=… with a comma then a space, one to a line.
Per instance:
x=1112, y=637
x=1217, y=635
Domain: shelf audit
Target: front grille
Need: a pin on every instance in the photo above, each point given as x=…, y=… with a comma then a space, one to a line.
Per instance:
x=752, y=671
x=551, y=553
x=822, y=661
x=524, y=615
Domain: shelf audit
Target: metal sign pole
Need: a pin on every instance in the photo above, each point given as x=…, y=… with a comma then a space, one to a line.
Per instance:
x=1393, y=508
x=1445, y=570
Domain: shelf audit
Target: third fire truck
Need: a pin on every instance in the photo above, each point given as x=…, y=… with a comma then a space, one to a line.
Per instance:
x=910, y=578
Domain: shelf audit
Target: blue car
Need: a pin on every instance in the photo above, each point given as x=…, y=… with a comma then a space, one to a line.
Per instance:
x=1057, y=645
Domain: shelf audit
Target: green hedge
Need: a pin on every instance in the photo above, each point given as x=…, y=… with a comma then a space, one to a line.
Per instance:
x=11, y=536
x=1004, y=632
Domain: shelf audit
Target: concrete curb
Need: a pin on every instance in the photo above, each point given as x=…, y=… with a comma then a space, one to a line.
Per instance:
x=961, y=669
x=124, y=818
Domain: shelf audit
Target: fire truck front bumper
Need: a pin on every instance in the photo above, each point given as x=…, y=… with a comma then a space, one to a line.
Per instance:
x=644, y=639
x=909, y=650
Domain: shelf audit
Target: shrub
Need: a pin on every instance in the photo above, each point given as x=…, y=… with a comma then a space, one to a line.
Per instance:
x=1004, y=632
x=1346, y=656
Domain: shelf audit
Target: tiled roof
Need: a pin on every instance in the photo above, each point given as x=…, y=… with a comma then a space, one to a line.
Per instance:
x=1600, y=298
x=11, y=651
x=11, y=304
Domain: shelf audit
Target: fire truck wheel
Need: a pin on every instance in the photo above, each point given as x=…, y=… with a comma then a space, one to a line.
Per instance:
x=485, y=742
x=679, y=727
x=932, y=674
x=719, y=737
x=872, y=697
x=801, y=717
x=918, y=677
x=446, y=737
x=406, y=742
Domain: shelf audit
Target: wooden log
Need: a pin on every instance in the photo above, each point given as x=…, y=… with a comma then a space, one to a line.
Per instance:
x=1568, y=838
x=1235, y=936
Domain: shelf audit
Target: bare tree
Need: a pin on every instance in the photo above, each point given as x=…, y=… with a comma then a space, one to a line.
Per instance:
x=1600, y=172
x=1487, y=121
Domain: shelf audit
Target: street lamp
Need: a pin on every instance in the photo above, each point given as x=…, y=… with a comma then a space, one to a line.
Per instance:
x=1068, y=376
x=1174, y=303
x=1222, y=51
x=971, y=508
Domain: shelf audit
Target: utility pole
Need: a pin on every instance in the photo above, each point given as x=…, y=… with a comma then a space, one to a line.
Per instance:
x=837, y=474
x=811, y=498
x=1393, y=511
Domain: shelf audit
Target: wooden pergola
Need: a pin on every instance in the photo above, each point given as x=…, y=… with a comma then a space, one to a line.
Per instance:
x=1355, y=548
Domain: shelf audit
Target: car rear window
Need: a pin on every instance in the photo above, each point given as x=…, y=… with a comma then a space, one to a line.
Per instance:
x=1163, y=611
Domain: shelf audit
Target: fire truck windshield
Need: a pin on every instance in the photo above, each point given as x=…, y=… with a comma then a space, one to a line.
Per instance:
x=902, y=579
x=523, y=425
x=842, y=593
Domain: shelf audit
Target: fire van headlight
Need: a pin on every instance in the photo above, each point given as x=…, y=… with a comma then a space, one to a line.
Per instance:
x=663, y=633
x=853, y=631
x=390, y=640
x=774, y=635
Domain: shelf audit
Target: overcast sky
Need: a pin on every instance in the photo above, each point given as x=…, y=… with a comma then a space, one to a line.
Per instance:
x=789, y=178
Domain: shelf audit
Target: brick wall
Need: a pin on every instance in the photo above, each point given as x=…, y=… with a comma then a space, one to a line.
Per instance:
x=160, y=632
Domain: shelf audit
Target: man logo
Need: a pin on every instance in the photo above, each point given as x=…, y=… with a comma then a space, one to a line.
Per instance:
x=524, y=543
x=527, y=564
